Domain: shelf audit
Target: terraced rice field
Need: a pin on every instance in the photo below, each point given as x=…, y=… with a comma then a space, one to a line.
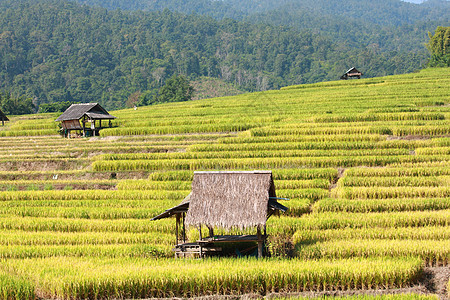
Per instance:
x=365, y=163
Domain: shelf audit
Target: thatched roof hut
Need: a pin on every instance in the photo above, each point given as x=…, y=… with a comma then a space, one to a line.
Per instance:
x=3, y=117
x=228, y=199
x=86, y=112
x=352, y=73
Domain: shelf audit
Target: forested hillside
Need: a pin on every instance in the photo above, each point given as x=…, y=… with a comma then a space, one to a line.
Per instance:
x=56, y=50
x=380, y=11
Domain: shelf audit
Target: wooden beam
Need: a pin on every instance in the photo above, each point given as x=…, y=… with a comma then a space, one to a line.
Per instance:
x=184, y=228
x=260, y=243
x=211, y=231
x=176, y=227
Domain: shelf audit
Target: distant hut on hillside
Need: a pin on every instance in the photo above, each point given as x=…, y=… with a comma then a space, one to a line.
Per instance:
x=91, y=113
x=225, y=200
x=352, y=73
x=3, y=117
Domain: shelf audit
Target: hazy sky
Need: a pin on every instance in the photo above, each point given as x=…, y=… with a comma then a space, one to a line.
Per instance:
x=414, y=1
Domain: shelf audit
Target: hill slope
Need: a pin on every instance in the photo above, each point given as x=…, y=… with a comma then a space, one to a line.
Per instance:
x=54, y=50
x=364, y=162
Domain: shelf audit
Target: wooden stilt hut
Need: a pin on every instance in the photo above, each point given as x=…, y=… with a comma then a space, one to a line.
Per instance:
x=352, y=73
x=3, y=117
x=91, y=113
x=225, y=200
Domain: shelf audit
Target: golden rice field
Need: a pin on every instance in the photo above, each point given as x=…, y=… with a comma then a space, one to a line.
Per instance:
x=365, y=164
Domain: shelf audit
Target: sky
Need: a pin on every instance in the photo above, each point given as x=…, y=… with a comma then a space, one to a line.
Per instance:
x=414, y=1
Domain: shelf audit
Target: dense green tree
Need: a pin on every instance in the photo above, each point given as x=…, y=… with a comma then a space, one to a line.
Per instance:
x=11, y=105
x=439, y=47
x=176, y=89
x=54, y=107
x=57, y=51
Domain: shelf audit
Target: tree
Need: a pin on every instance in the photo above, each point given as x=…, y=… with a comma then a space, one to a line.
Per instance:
x=16, y=106
x=176, y=89
x=439, y=47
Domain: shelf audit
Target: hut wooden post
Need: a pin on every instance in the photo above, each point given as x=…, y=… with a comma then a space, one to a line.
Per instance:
x=200, y=245
x=211, y=231
x=3, y=122
x=260, y=243
x=84, y=125
x=100, y=123
x=184, y=229
x=176, y=227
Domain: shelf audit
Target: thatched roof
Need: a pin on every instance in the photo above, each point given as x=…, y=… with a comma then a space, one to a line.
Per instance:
x=180, y=208
x=3, y=117
x=92, y=110
x=229, y=200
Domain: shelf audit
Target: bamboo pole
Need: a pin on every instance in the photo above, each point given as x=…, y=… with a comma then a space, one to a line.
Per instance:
x=260, y=243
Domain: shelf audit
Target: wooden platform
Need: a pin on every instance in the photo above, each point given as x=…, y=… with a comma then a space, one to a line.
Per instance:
x=232, y=239
x=208, y=245
x=195, y=249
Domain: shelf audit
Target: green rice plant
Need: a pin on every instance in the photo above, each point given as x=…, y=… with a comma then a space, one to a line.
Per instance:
x=380, y=117
x=312, y=194
x=84, y=212
x=123, y=250
x=153, y=185
x=92, y=195
x=292, y=130
x=261, y=146
x=339, y=220
x=36, y=185
x=380, y=205
x=186, y=185
x=428, y=130
x=175, y=129
x=439, y=233
x=429, y=181
x=433, y=252
x=360, y=138
x=448, y=288
x=439, y=169
x=14, y=287
x=297, y=207
x=278, y=174
x=11, y=133
x=87, y=225
x=99, y=278
x=172, y=176
x=433, y=151
x=391, y=192
x=302, y=184
x=303, y=174
x=256, y=163
x=90, y=204
x=49, y=238
x=249, y=154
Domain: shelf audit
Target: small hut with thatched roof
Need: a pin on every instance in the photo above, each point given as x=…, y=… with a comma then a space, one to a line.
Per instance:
x=3, y=118
x=84, y=112
x=225, y=200
x=352, y=73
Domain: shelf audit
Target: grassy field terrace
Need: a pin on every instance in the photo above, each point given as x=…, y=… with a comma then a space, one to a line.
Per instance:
x=365, y=164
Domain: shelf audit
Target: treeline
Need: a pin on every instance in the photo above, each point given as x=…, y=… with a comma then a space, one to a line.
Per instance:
x=11, y=105
x=439, y=47
x=383, y=12
x=54, y=50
